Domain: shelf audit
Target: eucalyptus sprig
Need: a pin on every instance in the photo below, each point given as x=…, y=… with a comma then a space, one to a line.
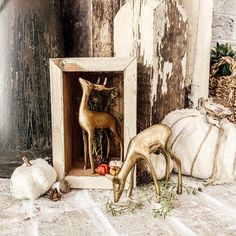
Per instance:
x=119, y=209
x=168, y=200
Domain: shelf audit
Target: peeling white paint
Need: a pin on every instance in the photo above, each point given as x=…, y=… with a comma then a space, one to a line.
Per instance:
x=199, y=42
x=167, y=69
x=146, y=31
x=123, y=32
x=182, y=11
x=134, y=29
x=184, y=68
x=159, y=26
x=141, y=33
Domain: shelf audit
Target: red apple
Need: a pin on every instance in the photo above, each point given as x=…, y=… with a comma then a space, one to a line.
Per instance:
x=103, y=169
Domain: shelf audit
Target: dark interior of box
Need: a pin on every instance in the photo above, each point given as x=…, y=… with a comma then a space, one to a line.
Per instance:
x=72, y=94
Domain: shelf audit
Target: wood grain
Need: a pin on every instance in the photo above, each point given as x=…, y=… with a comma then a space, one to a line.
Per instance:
x=170, y=58
x=88, y=26
x=30, y=34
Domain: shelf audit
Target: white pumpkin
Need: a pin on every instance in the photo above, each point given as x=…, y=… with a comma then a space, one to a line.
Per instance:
x=30, y=181
x=115, y=163
x=159, y=164
x=206, y=147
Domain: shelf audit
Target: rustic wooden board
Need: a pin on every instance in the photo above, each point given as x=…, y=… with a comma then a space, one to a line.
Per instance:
x=173, y=61
x=133, y=35
x=155, y=32
x=88, y=26
x=169, y=64
x=199, y=45
x=92, y=64
x=30, y=34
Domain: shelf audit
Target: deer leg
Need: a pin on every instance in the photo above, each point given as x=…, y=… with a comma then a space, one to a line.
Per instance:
x=131, y=184
x=85, y=139
x=178, y=164
x=167, y=158
x=90, y=141
x=153, y=173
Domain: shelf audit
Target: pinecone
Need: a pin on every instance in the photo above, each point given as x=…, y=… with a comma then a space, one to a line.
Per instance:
x=144, y=177
x=53, y=194
x=64, y=186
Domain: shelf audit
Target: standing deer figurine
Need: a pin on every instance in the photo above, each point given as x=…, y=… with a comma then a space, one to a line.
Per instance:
x=153, y=139
x=91, y=120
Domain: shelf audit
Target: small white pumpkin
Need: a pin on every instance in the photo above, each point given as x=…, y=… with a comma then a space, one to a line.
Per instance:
x=32, y=179
x=115, y=164
x=205, y=146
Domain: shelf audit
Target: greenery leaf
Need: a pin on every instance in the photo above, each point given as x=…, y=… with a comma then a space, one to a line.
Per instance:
x=168, y=200
x=222, y=50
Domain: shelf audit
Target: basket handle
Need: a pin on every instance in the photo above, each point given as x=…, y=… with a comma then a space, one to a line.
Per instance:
x=223, y=60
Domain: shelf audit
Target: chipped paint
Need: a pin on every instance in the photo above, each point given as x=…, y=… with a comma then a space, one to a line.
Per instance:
x=149, y=31
x=165, y=75
x=184, y=66
x=133, y=36
x=182, y=12
x=134, y=22
x=170, y=38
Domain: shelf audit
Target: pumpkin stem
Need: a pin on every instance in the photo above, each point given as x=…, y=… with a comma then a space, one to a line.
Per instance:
x=26, y=161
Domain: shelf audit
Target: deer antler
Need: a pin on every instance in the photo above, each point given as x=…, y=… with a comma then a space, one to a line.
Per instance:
x=100, y=87
x=105, y=81
x=98, y=82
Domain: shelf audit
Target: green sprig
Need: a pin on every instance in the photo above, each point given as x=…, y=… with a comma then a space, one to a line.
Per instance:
x=168, y=200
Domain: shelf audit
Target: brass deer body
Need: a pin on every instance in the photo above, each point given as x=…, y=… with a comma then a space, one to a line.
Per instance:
x=153, y=139
x=91, y=120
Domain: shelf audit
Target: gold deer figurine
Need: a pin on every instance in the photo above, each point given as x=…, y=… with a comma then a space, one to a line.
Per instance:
x=91, y=120
x=153, y=139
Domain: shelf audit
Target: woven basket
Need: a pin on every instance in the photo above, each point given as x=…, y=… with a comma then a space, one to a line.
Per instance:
x=224, y=87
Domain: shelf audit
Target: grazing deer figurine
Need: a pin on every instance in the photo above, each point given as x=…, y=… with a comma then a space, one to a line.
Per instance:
x=91, y=120
x=153, y=139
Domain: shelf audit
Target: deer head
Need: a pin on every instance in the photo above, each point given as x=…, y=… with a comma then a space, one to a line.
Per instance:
x=118, y=186
x=88, y=87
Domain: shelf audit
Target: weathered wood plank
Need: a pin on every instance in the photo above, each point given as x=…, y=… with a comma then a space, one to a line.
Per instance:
x=155, y=32
x=102, y=27
x=77, y=27
x=198, y=53
x=169, y=67
x=88, y=26
x=30, y=34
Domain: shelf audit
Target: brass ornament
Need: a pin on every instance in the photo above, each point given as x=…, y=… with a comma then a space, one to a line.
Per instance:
x=153, y=139
x=91, y=120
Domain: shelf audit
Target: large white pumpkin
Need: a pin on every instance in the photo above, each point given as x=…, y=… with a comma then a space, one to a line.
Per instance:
x=159, y=164
x=206, y=150
x=32, y=181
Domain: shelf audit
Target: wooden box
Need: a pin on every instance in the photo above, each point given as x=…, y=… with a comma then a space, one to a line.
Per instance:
x=66, y=91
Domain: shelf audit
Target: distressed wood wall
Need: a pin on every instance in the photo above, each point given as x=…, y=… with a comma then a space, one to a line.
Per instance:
x=30, y=34
x=155, y=32
x=169, y=63
x=88, y=27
